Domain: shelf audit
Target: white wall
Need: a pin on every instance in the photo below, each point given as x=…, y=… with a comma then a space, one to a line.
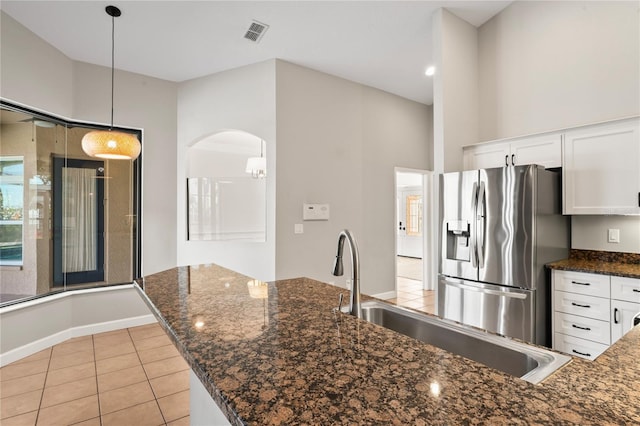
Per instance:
x=240, y=99
x=69, y=314
x=147, y=103
x=457, y=75
x=553, y=65
x=338, y=143
x=33, y=73
x=590, y=233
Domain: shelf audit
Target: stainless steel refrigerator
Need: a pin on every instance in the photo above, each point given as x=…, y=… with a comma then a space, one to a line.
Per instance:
x=499, y=227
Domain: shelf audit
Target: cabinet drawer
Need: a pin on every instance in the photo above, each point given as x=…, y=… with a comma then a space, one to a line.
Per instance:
x=582, y=283
x=627, y=289
x=585, y=328
x=579, y=304
x=577, y=347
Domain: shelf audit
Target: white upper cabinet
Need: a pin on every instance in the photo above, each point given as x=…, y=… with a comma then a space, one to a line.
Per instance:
x=601, y=169
x=485, y=156
x=544, y=150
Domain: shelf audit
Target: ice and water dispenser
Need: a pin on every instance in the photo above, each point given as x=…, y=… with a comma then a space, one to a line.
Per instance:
x=458, y=234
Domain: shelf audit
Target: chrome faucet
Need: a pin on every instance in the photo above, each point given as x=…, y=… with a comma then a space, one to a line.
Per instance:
x=355, y=308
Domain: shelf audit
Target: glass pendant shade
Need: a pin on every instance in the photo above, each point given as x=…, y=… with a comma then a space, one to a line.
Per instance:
x=111, y=145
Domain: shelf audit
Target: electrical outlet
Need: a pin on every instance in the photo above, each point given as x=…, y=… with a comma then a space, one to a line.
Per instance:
x=347, y=284
x=613, y=235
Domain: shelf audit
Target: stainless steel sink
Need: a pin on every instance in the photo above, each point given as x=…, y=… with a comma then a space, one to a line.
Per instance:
x=530, y=363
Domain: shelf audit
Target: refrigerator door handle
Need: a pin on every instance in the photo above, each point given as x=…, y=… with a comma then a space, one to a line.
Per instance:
x=509, y=294
x=480, y=225
x=473, y=237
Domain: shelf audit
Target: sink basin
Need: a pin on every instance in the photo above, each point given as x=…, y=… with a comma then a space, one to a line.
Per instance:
x=528, y=362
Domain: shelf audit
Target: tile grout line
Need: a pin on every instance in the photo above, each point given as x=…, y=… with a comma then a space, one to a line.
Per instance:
x=95, y=368
x=44, y=384
x=147, y=376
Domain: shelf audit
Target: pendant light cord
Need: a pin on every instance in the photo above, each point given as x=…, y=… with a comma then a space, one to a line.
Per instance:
x=113, y=43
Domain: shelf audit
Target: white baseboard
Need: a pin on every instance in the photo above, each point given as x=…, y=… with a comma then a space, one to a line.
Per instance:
x=85, y=330
x=386, y=295
x=31, y=326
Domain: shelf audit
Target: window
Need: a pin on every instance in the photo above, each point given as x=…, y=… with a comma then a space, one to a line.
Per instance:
x=11, y=209
x=414, y=215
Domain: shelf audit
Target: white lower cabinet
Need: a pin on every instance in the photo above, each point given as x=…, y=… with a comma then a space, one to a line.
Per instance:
x=625, y=304
x=591, y=311
x=622, y=314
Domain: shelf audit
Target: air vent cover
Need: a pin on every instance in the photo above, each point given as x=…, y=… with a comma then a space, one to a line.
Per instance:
x=256, y=31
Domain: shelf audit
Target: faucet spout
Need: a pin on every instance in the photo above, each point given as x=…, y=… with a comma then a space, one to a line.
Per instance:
x=355, y=308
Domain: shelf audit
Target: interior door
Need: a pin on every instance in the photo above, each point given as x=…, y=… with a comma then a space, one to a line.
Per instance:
x=410, y=225
x=78, y=221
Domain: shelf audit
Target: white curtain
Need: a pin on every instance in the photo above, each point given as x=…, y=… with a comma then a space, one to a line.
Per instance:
x=80, y=219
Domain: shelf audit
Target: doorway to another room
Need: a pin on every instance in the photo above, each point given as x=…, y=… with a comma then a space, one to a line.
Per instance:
x=413, y=290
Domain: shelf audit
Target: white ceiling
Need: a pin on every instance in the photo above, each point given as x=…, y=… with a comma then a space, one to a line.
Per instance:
x=384, y=44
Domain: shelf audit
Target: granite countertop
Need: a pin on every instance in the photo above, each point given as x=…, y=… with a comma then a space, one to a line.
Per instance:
x=598, y=262
x=289, y=359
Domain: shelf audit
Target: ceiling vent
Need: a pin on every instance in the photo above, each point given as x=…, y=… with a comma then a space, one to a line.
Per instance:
x=256, y=31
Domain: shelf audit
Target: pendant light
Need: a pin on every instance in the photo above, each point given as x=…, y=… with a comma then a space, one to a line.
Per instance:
x=111, y=144
x=257, y=166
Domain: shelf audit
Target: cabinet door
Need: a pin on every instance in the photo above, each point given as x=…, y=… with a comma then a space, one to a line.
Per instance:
x=486, y=156
x=622, y=314
x=601, y=169
x=543, y=150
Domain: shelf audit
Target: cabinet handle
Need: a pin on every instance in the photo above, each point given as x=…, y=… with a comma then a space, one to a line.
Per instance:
x=579, y=283
x=506, y=162
x=635, y=290
x=580, y=306
x=513, y=159
x=581, y=328
x=581, y=353
x=615, y=316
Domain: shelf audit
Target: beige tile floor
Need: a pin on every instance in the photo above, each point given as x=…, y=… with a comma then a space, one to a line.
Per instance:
x=409, y=288
x=132, y=376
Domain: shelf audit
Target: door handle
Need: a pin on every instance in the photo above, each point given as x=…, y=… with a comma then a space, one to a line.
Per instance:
x=480, y=225
x=509, y=294
x=474, y=226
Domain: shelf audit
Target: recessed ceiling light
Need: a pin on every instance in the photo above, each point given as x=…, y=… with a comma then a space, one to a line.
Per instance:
x=430, y=71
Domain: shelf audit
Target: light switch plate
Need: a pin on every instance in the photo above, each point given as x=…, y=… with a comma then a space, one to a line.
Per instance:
x=613, y=235
x=315, y=211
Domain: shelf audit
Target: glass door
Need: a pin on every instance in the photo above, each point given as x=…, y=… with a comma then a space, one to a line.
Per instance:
x=78, y=217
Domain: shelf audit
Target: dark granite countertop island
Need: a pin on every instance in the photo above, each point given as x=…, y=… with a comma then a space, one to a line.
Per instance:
x=288, y=359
